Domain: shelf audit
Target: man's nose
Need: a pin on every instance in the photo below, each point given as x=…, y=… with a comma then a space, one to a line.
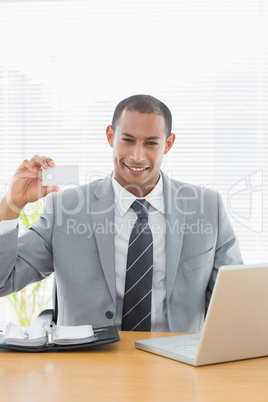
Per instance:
x=138, y=155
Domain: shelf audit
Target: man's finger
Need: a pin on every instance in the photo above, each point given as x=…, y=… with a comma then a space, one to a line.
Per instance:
x=50, y=189
x=29, y=165
x=42, y=161
x=49, y=161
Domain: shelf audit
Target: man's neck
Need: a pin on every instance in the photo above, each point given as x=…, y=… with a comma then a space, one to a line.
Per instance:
x=137, y=190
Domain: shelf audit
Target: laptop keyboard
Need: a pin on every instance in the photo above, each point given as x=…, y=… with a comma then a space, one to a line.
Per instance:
x=187, y=350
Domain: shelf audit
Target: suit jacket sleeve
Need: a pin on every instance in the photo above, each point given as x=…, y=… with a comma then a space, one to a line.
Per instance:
x=227, y=250
x=28, y=258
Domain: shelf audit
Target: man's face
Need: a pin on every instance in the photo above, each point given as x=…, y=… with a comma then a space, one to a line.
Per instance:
x=139, y=144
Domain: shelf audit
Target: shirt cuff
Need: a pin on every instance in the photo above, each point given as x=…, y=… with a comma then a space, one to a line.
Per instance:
x=7, y=226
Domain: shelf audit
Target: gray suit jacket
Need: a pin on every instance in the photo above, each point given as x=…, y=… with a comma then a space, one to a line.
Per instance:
x=74, y=237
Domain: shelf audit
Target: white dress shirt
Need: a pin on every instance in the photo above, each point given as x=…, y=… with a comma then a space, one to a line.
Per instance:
x=6, y=226
x=124, y=220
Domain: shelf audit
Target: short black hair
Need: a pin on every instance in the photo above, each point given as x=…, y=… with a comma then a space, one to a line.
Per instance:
x=143, y=104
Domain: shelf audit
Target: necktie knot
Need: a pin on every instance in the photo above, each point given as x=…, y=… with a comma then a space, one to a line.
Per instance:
x=141, y=207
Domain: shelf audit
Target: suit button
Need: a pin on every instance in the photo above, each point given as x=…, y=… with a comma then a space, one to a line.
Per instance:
x=109, y=315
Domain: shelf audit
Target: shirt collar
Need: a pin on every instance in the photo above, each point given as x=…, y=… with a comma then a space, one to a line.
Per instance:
x=123, y=199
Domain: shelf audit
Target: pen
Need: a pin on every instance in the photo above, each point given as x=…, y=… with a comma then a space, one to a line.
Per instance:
x=100, y=329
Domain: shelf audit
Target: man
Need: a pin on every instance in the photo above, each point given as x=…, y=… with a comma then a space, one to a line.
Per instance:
x=189, y=231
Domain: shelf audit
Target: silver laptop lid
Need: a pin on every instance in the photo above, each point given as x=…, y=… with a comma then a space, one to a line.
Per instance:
x=236, y=325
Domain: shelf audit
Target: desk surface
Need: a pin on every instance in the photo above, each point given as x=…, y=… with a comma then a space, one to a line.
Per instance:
x=119, y=372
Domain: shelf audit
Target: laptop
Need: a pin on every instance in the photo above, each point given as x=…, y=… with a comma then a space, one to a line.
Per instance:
x=236, y=324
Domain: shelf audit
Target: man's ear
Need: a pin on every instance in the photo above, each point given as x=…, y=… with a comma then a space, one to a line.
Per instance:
x=110, y=135
x=169, y=143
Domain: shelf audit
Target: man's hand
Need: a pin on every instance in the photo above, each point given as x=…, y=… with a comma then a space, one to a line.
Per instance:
x=26, y=186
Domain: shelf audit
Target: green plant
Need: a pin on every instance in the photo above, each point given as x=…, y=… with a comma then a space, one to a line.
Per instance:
x=30, y=213
x=31, y=300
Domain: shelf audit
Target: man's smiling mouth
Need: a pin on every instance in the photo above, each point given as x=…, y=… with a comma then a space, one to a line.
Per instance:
x=136, y=169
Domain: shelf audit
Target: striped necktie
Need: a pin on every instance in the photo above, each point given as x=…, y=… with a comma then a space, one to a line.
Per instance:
x=138, y=286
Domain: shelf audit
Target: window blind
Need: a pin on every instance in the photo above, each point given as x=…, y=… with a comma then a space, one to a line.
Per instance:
x=64, y=65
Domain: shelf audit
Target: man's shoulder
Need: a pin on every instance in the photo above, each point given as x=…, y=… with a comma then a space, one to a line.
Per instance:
x=188, y=190
x=70, y=196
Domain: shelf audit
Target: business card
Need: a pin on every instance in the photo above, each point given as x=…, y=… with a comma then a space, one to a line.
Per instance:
x=61, y=175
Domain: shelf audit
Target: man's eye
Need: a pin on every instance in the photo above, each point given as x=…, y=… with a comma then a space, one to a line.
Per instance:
x=152, y=143
x=127, y=140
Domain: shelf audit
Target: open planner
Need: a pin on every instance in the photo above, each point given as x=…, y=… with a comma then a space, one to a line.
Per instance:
x=47, y=336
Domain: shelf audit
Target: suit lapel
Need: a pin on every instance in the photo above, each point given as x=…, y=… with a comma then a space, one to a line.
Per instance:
x=175, y=211
x=102, y=210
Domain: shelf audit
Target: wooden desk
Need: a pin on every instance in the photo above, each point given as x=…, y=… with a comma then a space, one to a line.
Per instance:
x=119, y=372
